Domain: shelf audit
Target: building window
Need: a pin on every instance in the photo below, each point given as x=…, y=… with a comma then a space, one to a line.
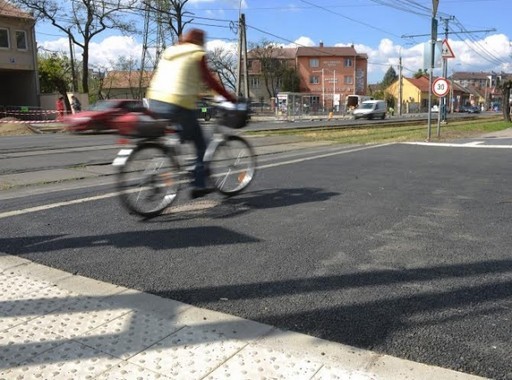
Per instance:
x=21, y=40
x=313, y=79
x=4, y=38
x=348, y=79
x=313, y=62
x=254, y=82
x=348, y=62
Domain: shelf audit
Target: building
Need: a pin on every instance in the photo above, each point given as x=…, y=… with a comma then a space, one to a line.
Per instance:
x=484, y=87
x=415, y=95
x=327, y=74
x=18, y=59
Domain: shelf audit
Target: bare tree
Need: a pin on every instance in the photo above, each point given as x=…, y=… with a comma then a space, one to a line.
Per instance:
x=82, y=20
x=175, y=11
x=272, y=64
x=224, y=62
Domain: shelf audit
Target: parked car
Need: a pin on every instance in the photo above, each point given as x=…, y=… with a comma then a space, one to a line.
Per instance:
x=472, y=109
x=100, y=116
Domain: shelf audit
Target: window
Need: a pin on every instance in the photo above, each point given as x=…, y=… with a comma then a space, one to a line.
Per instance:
x=348, y=62
x=313, y=62
x=313, y=79
x=348, y=79
x=4, y=38
x=254, y=82
x=21, y=40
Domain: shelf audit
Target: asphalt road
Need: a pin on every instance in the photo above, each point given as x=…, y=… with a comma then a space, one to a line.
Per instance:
x=401, y=249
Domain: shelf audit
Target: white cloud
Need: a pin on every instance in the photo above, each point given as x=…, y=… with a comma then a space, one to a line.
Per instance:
x=492, y=53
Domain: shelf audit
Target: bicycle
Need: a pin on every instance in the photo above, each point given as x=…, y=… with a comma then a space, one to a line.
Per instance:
x=152, y=171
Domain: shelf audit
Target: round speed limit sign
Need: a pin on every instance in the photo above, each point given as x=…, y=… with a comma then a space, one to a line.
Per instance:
x=440, y=87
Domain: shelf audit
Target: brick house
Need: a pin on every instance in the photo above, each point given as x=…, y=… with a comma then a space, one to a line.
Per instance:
x=327, y=74
x=18, y=58
x=483, y=86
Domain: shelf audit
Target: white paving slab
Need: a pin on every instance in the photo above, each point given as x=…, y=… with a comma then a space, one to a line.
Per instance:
x=70, y=360
x=70, y=327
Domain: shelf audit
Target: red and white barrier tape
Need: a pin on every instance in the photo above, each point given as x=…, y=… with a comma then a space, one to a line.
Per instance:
x=27, y=121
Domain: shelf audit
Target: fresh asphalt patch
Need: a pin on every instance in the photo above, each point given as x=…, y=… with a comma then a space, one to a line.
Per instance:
x=402, y=249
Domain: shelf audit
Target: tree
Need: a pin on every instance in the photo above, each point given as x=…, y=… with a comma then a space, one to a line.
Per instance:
x=82, y=20
x=420, y=73
x=290, y=80
x=273, y=65
x=389, y=77
x=224, y=63
x=505, y=86
x=55, y=74
x=174, y=12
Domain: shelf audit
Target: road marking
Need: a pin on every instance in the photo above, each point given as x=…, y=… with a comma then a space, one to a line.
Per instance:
x=474, y=144
x=114, y=194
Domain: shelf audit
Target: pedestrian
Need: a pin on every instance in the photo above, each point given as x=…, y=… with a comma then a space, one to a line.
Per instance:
x=60, y=107
x=75, y=104
x=174, y=90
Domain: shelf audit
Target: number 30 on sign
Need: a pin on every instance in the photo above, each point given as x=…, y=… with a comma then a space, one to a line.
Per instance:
x=440, y=87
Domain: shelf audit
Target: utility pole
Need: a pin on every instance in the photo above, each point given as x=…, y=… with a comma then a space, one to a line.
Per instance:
x=155, y=40
x=433, y=39
x=242, y=60
x=400, y=88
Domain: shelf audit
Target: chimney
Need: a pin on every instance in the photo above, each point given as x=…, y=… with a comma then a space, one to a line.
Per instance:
x=321, y=44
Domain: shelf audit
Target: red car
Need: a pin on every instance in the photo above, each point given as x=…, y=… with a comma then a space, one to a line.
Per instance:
x=100, y=116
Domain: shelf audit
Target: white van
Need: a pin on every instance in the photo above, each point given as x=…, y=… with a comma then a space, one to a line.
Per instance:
x=371, y=109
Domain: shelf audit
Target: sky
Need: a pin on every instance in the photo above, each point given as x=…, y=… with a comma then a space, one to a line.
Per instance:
x=479, y=31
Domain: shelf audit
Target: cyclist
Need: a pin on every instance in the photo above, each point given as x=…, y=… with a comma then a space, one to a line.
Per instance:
x=174, y=90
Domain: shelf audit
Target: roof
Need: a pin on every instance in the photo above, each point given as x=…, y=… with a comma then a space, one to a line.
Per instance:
x=277, y=52
x=316, y=51
x=422, y=83
x=467, y=75
x=9, y=10
x=125, y=79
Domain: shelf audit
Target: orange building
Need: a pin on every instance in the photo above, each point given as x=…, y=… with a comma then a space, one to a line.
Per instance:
x=327, y=74
x=332, y=73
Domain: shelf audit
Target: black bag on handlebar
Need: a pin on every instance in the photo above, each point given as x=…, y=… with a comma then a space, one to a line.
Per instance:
x=234, y=118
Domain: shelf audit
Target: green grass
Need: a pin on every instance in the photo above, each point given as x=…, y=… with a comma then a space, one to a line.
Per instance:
x=365, y=135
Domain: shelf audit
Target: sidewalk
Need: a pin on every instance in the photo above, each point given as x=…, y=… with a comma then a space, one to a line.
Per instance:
x=57, y=325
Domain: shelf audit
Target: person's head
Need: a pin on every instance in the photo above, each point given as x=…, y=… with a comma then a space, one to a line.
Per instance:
x=72, y=96
x=192, y=36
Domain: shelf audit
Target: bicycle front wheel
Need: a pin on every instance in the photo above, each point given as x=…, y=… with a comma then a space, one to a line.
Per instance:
x=149, y=181
x=233, y=165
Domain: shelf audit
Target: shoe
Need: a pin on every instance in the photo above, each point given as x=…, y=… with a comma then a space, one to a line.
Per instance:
x=199, y=192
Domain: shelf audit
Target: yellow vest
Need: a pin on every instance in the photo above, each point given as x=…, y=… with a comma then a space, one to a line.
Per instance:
x=177, y=79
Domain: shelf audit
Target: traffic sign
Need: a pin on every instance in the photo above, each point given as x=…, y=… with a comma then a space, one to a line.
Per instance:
x=440, y=87
x=446, y=50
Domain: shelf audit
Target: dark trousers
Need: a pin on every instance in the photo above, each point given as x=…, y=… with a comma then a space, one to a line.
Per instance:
x=190, y=131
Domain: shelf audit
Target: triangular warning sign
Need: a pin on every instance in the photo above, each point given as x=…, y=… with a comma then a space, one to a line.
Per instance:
x=446, y=51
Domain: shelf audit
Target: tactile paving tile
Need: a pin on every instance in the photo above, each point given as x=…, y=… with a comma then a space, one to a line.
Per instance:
x=264, y=363
x=32, y=305
x=14, y=287
x=129, y=334
x=76, y=319
x=23, y=342
x=192, y=351
x=130, y=371
x=333, y=373
x=70, y=360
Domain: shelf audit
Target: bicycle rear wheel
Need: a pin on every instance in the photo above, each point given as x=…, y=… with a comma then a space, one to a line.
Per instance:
x=149, y=181
x=233, y=165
